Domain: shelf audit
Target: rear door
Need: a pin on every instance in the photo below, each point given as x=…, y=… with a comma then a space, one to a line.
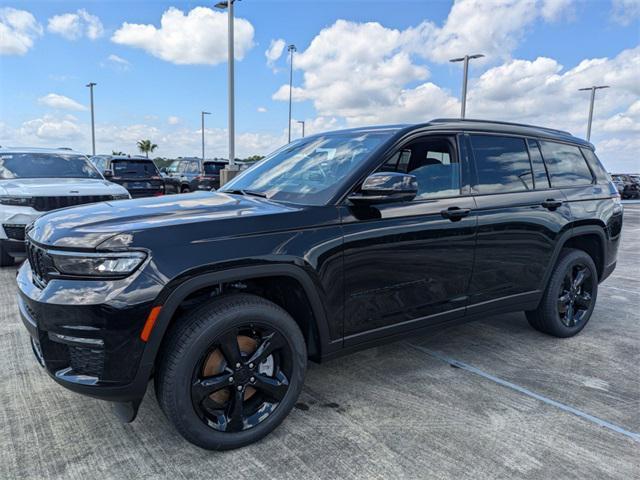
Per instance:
x=520, y=217
x=408, y=264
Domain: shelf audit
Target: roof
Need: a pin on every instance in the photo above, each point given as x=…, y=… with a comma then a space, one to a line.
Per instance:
x=60, y=150
x=474, y=125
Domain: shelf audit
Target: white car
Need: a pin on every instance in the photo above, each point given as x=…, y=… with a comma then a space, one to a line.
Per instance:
x=34, y=181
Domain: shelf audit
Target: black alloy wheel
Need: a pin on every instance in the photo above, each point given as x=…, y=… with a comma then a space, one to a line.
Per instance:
x=570, y=295
x=242, y=379
x=230, y=371
x=576, y=295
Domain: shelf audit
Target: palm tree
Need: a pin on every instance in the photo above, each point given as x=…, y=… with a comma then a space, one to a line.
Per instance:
x=117, y=154
x=145, y=146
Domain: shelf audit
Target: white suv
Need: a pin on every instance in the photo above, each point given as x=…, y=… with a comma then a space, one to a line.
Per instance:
x=36, y=180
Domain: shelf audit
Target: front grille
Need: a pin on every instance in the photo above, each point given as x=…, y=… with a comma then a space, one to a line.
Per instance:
x=45, y=204
x=86, y=361
x=14, y=232
x=40, y=262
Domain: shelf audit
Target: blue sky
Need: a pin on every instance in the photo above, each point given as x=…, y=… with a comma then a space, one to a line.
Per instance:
x=358, y=62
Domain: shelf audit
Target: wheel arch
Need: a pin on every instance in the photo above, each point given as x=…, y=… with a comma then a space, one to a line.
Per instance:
x=590, y=238
x=172, y=301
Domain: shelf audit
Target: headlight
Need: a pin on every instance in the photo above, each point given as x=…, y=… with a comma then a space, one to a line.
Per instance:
x=16, y=201
x=97, y=264
x=120, y=196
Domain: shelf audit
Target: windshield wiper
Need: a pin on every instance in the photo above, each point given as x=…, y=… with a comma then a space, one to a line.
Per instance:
x=246, y=192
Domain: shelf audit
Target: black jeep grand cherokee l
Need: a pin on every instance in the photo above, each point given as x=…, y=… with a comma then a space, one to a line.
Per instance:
x=334, y=243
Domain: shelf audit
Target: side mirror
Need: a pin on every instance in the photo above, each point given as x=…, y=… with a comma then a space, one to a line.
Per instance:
x=384, y=187
x=107, y=174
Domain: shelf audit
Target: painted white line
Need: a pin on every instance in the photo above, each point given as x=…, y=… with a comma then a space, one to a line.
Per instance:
x=598, y=421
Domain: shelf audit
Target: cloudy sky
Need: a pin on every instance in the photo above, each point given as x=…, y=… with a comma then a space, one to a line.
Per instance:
x=158, y=64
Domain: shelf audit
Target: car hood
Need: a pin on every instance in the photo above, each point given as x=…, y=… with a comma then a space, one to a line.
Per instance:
x=56, y=187
x=146, y=218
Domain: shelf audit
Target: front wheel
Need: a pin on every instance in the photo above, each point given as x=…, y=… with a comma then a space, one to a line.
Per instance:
x=231, y=371
x=570, y=297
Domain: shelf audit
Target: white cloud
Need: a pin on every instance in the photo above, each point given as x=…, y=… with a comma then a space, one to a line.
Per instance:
x=199, y=37
x=49, y=129
x=173, y=141
x=173, y=120
x=73, y=26
x=274, y=52
x=116, y=62
x=625, y=12
x=493, y=28
x=18, y=30
x=261, y=109
x=53, y=100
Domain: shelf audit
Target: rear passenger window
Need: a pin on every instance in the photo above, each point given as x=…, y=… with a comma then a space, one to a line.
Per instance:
x=502, y=164
x=594, y=163
x=540, y=178
x=566, y=165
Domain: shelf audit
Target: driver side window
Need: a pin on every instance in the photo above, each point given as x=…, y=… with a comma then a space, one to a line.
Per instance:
x=434, y=163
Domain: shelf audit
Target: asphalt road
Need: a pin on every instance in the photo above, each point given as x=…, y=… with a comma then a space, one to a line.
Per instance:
x=491, y=399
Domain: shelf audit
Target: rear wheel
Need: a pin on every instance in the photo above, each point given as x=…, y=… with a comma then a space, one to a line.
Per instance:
x=570, y=297
x=6, y=260
x=231, y=371
x=185, y=189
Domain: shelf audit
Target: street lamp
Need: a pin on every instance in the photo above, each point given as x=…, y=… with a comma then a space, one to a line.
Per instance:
x=202, y=114
x=93, y=126
x=593, y=97
x=291, y=49
x=228, y=4
x=465, y=59
x=302, y=123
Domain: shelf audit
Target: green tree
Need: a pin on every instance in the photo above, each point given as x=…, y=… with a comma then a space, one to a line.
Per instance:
x=146, y=147
x=117, y=154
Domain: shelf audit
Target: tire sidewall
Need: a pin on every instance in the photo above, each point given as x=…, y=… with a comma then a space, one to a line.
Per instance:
x=188, y=421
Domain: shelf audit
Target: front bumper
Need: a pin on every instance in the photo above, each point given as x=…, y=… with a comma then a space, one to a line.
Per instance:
x=86, y=334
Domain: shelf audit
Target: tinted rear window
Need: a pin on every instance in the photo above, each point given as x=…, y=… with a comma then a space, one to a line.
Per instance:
x=502, y=164
x=566, y=165
x=45, y=165
x=133, y=168
x=212, y=168
x=594, y=163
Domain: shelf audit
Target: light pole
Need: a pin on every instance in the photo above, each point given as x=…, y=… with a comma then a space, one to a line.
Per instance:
x=301, y=122
x=202, y=114
x=291, y=49
x=593, y=98
x=93, y=125
x=228, y=4
x=465, y=59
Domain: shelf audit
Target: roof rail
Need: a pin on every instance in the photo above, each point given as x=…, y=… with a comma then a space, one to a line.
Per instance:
x=64, y=148
x=473, y=120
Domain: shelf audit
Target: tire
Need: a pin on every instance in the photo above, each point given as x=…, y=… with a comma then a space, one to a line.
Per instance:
x=202, y=335
x=6, y=260
x=185, y=189
x=553, y=315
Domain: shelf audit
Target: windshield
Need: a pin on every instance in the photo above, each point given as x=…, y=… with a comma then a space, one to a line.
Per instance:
x=45, y=165
x=309, y=171
x=134, y=168
x=173, y=166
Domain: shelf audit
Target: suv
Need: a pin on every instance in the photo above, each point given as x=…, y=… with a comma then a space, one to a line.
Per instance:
x=138, y=175
x=180, y=175
x=36, y=180
x=334, y=243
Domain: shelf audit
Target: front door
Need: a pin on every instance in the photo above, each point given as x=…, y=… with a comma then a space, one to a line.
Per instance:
x=408, y=264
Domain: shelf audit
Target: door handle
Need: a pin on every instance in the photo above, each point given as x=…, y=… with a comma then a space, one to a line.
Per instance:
x=455, y=213
x=551, y=204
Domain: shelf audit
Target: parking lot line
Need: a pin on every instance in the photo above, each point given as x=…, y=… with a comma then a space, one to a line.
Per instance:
x=567, y=408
